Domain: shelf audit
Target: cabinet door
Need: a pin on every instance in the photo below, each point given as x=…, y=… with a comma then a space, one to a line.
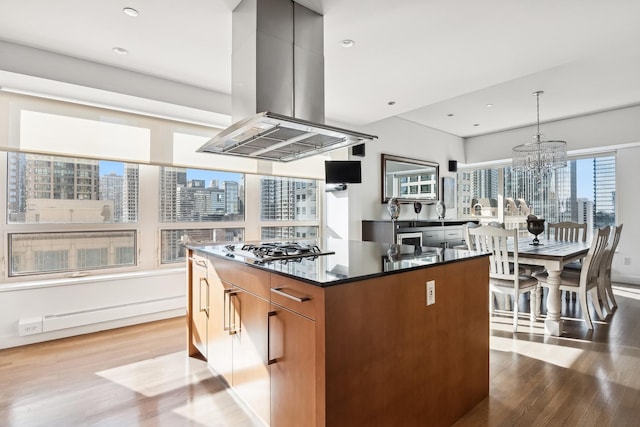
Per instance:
x=220, y=332
x=292, y=353
x=250, y=367
x=199, y=305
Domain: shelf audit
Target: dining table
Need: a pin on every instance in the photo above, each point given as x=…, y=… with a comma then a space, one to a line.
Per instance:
x=553, y=256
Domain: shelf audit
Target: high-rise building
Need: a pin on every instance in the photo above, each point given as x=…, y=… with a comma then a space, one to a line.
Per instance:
x=131, y=189
x=112, y=188
x=170, y=180
x=60, y=178
x=464, y=194
x=485, y=183
x=231, y=197
x=585, y=212
x=16, y=195
x=287, y=199
x=604, y=191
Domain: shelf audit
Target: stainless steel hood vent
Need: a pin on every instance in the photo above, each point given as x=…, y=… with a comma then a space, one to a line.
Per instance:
x=272, y=136
x=278, y=86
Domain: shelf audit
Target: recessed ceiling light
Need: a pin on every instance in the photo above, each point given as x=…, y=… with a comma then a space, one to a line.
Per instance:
x=489, y=105
x=120, y=50
x=130, y=11
x=391, y=103
x=450, y=115
x=347, y=43
x=476, y=124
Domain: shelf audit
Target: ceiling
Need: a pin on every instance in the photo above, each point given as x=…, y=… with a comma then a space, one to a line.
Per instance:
x=440, y=61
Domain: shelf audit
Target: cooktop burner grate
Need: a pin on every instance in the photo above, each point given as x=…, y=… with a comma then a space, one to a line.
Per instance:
x=279, y=251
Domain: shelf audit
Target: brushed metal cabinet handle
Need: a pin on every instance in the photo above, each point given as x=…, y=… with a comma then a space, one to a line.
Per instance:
x=280, y=292
x=200, y=299
x=226, y=312
x=270, y=361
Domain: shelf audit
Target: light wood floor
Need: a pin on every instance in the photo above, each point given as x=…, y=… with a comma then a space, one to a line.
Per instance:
x=140, y=376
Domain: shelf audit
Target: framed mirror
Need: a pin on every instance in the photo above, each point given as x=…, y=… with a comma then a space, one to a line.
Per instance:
x=409, y=180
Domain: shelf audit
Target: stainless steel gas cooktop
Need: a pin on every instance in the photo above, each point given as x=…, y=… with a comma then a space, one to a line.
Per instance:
x=276, y=251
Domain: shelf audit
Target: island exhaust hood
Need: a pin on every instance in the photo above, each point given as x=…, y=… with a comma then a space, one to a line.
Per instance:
x=277, y=90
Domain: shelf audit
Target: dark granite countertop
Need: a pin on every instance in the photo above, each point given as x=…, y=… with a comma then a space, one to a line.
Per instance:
x=352, y=260
x=412, y=223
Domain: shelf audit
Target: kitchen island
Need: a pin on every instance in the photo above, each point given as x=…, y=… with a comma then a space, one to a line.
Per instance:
x=345, y=339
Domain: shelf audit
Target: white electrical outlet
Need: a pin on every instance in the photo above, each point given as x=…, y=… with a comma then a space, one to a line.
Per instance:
x=431, y=292
x=627, y=260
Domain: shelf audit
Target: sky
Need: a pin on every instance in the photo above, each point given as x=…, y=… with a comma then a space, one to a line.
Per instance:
x=584, y=170
x=107, y=167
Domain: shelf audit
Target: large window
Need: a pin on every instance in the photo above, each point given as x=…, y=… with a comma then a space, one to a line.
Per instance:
x=54, y=189
x=46, y=192
x=288, y=199
x=197, y=195
x=582, y=192
x=37, y=253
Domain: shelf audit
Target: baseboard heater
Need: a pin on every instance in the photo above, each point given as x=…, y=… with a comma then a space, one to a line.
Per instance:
x=54, y=322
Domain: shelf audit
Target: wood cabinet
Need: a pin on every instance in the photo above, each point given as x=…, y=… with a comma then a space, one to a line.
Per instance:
x=220, y=332
x=199, y=304
x=250, y=363
x=293, y=352
x=238, y=331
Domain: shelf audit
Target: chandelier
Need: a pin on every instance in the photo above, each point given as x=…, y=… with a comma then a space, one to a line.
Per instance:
x=539, y=157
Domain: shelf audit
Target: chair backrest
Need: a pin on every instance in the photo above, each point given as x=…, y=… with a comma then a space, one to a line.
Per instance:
x=494, y=240
x=467, y=238
x=567, y=231
x=591, y=263
x=610, y=251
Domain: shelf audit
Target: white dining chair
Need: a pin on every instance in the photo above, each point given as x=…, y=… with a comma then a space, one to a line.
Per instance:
x=567, y=231
x=504, y=275
x=586, y=281
x=604, y=279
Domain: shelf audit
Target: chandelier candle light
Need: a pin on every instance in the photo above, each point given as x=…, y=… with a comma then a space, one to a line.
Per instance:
x=539, y=157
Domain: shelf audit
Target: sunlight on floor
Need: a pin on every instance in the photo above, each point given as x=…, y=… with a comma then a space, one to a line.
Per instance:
x=555, y=354
x=505, y=324
x=153, y=377
x=215, y=411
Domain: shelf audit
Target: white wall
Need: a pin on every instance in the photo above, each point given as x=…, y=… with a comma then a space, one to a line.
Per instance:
x=402, y=138
x=628, y=207
x=616, y=130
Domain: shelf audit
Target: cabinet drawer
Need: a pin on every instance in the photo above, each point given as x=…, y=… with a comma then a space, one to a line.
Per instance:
x=248, y=278
x=200, y=262
x=432, y=237
x=453, y=234
x=297, y=296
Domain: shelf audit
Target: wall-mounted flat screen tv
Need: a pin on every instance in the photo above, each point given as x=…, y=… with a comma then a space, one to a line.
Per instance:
x=343, y=171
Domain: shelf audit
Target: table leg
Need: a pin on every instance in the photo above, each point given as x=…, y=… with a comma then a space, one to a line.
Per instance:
x=553, y=324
